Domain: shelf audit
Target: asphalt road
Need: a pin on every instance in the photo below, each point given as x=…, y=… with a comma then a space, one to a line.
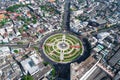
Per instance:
x=66, y=19
x=14, y=45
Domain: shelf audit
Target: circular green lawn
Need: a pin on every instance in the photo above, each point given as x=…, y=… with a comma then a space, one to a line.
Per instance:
x=62, y=48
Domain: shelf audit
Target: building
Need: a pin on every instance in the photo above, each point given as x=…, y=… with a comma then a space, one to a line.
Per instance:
x=103, y=35
x=4, y=51
x=79, y=12
x=51, y=0
x=78, y=70
x=35, y=67
x=90, y=69
x=115, y=59
x=2, y=16
x=29, y=66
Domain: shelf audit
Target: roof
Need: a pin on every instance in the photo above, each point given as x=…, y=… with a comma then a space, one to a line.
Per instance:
x=2, y=31
x=102, y=35
x=41, y=73
x=51, y=0
x=2, y=16
x=4, y=49
x=36, y=58
x=101, y=21
x=115, y=58
x=97, y=74
x=78, y=70
x=29, y=65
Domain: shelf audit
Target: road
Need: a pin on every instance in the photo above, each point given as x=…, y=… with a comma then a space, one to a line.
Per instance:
x=104, y=30
x=14, y=45
x=66, y=19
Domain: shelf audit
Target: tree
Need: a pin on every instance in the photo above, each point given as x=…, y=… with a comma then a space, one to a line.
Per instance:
x=16, y=51
x=3, y=22
x=27, y=77
x=53, y=72
x=45, y=63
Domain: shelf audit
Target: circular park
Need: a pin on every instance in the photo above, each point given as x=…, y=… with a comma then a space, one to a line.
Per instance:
x=63, y=48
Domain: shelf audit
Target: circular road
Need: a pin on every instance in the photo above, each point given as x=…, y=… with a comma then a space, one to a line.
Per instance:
x=68, y=43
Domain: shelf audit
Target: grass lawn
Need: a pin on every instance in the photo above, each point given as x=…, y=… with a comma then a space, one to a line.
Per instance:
x=70, y=40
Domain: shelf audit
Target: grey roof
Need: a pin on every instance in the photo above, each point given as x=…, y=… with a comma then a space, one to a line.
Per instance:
x=115, y=58
x=98, y=74
x=41, y=73
x=29, y=66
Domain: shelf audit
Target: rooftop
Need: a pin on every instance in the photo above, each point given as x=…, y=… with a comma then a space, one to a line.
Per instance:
x=78, y=70
x=115, y=59
x=2, y=16
x=29, y=66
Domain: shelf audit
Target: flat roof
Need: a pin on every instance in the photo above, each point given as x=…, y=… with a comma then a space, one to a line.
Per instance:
x=98, y=74
x=41, y=73
x=115, y=58
x=29, y=66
